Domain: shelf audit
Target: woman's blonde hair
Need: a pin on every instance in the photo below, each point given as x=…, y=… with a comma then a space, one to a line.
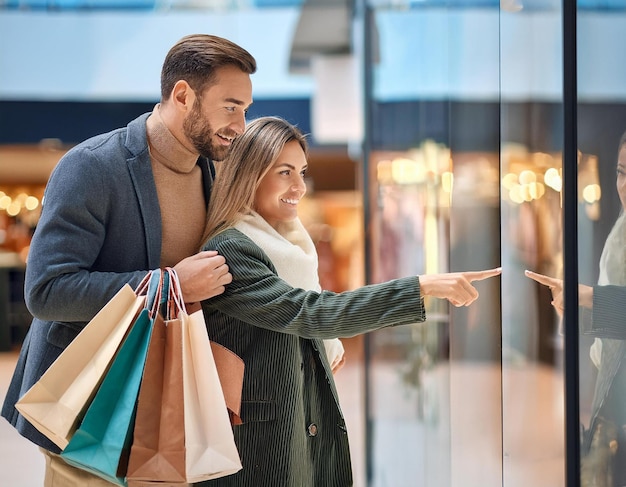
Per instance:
x=238, y=176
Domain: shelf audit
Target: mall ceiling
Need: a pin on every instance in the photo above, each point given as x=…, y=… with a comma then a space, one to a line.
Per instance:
x=324, y=28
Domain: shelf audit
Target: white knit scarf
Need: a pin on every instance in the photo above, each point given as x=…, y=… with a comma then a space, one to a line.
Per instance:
x=294, y=256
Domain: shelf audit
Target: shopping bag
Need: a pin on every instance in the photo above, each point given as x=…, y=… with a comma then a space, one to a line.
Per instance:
x=230, y=369
x=209, y=439
x=158, y=448
x=167, y=447
x=210, y=446
x=101, y=444
x=191, y=386
x=58, y=400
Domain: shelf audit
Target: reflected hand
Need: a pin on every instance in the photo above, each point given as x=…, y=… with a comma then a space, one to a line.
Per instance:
x=556, y=288
x=585, y=293
x=456, y=287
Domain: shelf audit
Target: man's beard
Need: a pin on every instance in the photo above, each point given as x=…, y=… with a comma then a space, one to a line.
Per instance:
x=199, y=131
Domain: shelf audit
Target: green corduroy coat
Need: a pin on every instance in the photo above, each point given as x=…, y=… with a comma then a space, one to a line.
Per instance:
x=293, y=432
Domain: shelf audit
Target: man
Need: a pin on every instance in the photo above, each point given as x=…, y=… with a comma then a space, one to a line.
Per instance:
x=122, y=203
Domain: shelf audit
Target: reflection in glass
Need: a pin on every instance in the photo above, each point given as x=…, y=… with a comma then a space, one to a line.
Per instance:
x=410, y=391
x=603, y=451
x=531, y=231
x=476, y=396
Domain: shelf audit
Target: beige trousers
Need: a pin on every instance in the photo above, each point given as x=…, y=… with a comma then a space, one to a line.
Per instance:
x=61, y=474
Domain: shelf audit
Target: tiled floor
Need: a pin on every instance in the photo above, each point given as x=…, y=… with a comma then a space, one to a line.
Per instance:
x=22, y=465
x=470, y=450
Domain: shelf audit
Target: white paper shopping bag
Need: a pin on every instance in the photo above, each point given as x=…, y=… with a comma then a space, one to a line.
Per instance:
x=209, y=440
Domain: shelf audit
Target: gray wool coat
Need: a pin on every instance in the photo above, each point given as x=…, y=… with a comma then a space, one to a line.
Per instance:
x=100, y=228
x=293, y=432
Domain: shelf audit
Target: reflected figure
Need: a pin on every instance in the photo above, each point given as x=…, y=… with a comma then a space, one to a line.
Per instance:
x=604, y=442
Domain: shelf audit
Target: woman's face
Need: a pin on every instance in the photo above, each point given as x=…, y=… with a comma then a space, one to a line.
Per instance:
x=621, y=175
x=281, y=189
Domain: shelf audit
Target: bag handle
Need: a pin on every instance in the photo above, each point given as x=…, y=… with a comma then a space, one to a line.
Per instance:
x=142, y=288
x=163, y=300
x=175, y=302
x=153, y=287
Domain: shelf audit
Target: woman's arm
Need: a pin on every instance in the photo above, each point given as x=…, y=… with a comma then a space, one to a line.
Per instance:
x=259, y=297
x=607, y=305
x=608, y=312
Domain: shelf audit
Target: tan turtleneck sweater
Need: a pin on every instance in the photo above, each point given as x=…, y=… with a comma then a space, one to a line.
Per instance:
x=178, y=181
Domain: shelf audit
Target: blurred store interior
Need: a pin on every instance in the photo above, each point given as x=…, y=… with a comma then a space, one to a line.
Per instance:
x=436, y=130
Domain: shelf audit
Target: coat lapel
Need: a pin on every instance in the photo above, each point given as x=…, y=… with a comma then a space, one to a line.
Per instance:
x=140, y=170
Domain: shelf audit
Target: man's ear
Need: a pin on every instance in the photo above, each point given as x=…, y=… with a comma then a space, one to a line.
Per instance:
x=183, y=96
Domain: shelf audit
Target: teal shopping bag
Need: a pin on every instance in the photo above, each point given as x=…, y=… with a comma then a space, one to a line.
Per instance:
x=101, y=444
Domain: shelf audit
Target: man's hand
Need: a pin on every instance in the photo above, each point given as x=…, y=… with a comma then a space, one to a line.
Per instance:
x=456, y=287
x=203, y=276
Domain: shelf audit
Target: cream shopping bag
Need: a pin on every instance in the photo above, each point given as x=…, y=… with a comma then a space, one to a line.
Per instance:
x=210, y=446
x=209, y=440
x=56, y=403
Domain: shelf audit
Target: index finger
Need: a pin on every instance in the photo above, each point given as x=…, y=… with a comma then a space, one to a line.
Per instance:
x=541, y=279
x=472, y=276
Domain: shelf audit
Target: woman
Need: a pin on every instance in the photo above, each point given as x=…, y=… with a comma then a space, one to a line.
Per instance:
x=274, y=316
x=604, y=449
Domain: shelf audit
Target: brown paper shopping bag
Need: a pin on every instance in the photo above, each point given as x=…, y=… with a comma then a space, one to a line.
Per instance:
x=230, y=369
x=158, y=449
x=56, y=403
